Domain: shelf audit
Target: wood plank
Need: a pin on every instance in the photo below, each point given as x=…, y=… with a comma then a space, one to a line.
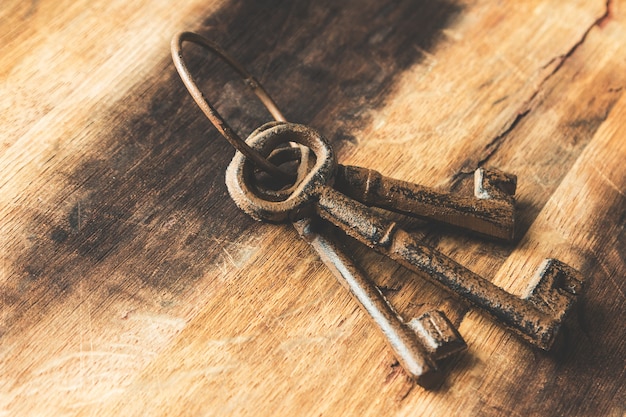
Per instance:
x=591, y=198
x=131, y=284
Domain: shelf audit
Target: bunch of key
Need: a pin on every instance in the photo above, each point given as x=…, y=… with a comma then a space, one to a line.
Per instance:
x=324, y=194
x=340, y=195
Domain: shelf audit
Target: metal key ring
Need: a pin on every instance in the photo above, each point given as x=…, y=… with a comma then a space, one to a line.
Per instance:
x=218, y=121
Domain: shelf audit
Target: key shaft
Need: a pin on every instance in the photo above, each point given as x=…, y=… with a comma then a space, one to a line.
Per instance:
x=490, y=212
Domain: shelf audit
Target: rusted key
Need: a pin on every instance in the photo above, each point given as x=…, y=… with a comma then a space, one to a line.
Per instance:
x=490, y=212
x=419, y=343
x=537, y=317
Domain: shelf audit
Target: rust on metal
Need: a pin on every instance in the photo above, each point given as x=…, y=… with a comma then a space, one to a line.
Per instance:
x=491, y=212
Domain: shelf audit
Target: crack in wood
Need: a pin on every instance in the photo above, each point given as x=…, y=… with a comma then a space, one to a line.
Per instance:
x=529, y=105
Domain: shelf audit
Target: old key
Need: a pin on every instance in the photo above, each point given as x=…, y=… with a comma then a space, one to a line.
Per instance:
x=537, y=317
x=490, y=212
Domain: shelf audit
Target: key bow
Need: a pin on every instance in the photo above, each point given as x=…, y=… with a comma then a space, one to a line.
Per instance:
x=264, y=140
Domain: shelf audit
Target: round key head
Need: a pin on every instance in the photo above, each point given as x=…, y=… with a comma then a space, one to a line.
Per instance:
x=240, y=176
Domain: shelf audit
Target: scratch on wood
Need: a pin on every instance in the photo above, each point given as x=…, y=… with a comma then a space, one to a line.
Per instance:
x=296, y=342
x=302, y=307
x=599, y=22
x=495, y=143
x=61, y=362
x=235, y=340
x=608, y=181
x=609, y=276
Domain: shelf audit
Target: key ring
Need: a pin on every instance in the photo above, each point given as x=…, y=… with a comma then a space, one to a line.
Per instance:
x=218, y=121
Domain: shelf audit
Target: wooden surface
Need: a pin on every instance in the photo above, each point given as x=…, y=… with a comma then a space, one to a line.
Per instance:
x=130, y=284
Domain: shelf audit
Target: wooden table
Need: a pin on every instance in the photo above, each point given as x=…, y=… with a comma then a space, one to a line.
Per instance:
x=130, y=284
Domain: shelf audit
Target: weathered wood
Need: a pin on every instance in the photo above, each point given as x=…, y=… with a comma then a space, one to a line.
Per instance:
x=130, y=284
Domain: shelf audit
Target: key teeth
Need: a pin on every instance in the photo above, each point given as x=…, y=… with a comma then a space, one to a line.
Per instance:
x=438, y=334
x=557, y=289
x=493, y=183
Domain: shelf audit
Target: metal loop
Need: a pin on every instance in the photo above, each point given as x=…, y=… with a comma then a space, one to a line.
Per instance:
x=210, y=112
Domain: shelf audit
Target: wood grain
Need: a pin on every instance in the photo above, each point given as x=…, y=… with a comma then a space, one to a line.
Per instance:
x=130, y=284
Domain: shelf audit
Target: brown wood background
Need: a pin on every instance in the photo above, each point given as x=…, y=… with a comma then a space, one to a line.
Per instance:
x=130, y=284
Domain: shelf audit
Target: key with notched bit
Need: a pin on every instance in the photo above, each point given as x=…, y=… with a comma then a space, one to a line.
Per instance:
x=491, y=212
x=537, y=318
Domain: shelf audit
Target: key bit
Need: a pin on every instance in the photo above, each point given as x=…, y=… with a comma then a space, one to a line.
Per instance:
x=491, y=212
x=418, y=344
x=536, y=318
x=438, y=335
x=557, y=285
